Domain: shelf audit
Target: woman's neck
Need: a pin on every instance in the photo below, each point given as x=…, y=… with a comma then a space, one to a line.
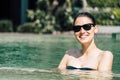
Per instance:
x=88, y=47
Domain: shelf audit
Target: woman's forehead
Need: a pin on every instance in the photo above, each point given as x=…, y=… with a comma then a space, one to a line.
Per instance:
x=83, y=20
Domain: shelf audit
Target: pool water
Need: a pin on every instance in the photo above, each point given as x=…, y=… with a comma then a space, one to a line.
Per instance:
x=27, y=74
x=42, y=74
x=31, y=57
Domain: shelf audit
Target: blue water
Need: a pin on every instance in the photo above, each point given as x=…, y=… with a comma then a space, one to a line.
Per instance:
x=41, y=74
x=31, y=57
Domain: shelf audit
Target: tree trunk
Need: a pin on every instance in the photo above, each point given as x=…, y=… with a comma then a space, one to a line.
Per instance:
x=85, y=5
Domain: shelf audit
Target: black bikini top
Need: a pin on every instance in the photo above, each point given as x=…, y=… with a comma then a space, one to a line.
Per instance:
x=72, y=68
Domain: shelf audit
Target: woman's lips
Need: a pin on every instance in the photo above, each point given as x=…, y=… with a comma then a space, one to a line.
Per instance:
x=83, y=37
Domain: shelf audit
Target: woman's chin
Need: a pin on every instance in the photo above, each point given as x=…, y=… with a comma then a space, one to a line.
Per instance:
x=84, y=40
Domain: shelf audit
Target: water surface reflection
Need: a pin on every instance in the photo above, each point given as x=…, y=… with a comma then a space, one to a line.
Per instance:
x=40, y=74
x=88, y=75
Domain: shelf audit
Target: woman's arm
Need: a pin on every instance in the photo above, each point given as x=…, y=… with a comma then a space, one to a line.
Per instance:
x=63, y=62
x=106, y=62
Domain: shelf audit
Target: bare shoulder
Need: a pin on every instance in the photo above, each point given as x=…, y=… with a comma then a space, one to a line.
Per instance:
x=73, y=52
x=108, y=54
x=106, y=61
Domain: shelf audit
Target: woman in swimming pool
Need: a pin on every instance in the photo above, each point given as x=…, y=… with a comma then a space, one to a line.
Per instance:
x=90, y=57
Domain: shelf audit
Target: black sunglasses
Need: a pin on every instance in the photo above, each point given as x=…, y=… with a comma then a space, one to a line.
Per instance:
x=77, y=28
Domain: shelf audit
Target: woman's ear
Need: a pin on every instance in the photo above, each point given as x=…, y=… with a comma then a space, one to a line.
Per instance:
x=96, y=28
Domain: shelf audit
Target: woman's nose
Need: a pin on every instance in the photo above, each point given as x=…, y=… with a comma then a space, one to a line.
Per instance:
x=82, y=30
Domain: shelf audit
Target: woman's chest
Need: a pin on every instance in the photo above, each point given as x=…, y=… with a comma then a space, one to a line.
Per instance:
x=91, y=62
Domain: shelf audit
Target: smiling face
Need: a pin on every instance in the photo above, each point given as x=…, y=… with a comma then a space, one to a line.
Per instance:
x=84, y=36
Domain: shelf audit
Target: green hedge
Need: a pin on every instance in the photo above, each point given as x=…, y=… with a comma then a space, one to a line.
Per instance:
x=104, y=3
x=29, y=28
x=107, y=18
x=6, y=26
x=32, y=27
x=116, y=13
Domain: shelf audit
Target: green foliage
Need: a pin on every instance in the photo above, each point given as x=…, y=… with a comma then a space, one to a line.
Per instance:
x=104, y=3
x=116, y=13
x=46, y=21
x=52, y=16
x=29, y=28
x=6, y=26
x=104, y=17
x=59, y=14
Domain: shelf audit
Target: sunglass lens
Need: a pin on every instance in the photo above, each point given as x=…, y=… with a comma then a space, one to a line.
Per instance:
x=87, y=27
x=76, y=28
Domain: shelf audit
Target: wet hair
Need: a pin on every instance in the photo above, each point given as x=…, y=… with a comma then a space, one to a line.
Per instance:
x=85, y=14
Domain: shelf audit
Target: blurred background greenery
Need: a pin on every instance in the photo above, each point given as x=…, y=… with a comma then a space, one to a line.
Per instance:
x=57, y=15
